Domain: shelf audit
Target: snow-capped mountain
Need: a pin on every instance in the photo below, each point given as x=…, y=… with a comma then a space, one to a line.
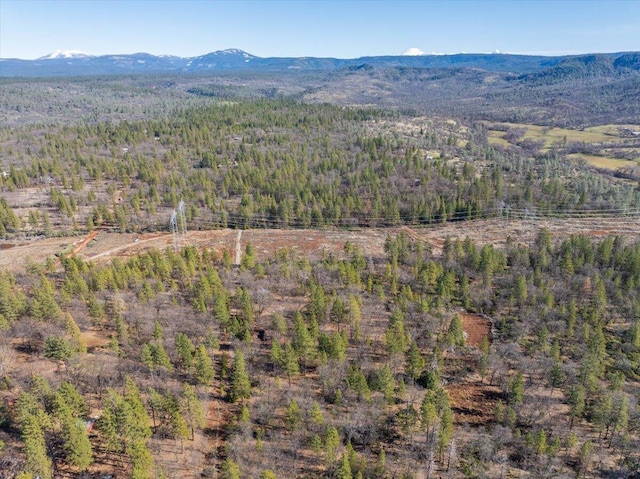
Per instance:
x=416, y=52
x=412, y=52
x=65, y=54
x=74, y=63
x=220, y=60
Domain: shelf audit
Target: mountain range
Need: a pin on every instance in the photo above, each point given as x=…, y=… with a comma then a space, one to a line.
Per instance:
x=76, y=63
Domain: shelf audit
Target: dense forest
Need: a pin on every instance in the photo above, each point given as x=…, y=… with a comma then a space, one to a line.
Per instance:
x=457, y=358
x=282, y=163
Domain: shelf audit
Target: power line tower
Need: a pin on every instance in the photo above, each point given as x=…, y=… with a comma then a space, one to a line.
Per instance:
x=530, y=216
x=182, y=219
x=173, y=226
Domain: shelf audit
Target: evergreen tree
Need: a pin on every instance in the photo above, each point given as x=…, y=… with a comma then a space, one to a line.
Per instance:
x=292, y=415
x=44, y=305
x=240, y=385
x=57, y=349
x=32, y=421
x=455, y=333
x=230, y=469
x=331, y=444
x=344, y=468
x=70, y=396
x=203, y=365
x=192, y=408
x=141, y=460
x=302, y=340
x=78, y=343
x=395, y=337
x=516, y=389
x=415, y=362
x=386, y=383
x=185, y=350
x=77, y=446
x=315, y=414
x=179, y=426
x=289, y=362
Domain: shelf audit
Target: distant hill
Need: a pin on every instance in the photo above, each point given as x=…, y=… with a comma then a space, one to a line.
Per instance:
x=81, y=64
x=586, y=66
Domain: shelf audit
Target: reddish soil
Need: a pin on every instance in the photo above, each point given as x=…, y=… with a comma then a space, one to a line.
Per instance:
x=473, y=402
x=84, y=242
x=314, y=243
x=475, y=328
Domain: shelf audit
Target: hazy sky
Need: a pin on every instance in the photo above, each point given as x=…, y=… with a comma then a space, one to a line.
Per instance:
x=342, y=29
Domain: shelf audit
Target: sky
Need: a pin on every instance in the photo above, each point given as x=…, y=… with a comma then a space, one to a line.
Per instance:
x=323, y=28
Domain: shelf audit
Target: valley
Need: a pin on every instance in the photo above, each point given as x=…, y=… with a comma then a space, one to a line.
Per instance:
x=380, y=269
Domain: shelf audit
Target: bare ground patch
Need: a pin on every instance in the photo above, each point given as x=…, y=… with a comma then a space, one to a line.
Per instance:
x=476, y=328
x=473, y=402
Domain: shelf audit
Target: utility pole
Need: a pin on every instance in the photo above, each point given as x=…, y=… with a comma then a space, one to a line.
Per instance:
x=173, y=227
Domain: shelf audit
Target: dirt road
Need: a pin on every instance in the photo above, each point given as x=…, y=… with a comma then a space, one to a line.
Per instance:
x=312, y=243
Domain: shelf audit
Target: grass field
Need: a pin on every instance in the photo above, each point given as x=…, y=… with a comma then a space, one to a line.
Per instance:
x=603, y=162
x=602, y=135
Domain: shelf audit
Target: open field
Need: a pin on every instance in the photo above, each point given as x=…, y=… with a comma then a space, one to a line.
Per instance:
x=311, y=243
x=611, y=141
x=555, y=135
x=602, y=162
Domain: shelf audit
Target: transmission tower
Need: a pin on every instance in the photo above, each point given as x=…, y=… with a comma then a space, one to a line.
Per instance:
x=530, y=215
x=173, y=226
x=182, y=219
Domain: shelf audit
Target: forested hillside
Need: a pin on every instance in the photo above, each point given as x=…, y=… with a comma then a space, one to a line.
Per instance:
x=511, y=356
x=312, y=368
x=282, y=163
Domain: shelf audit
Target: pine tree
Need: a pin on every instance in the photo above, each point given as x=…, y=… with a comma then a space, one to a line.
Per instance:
x=77, y=446
x=428, y=417
x=140, y=426
x=203, y=365
x=381, y=464
x=386, y=383
x=158, y=331
x=141, y=460
x=240, y=384
x=355, y=316
x=516, y=389
x=357, y=381
x=110, y=422
x=79, y=344
x=395, y=337
x=32, y=420
x=445, y=432
x=315, y=414
x=57, y=349
x=221, y=309
x=192, y=408
x=160, y=357
x=455, y=334
x=302, y=340
x=179, y=426
x=44, y=305
x=415, y=362
x=185, y=350
x=344, y=468
x=292, y=415
x=230, y=469
x=73, y=399
x=331, y=444
x=540, y=442
x=289, y=362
